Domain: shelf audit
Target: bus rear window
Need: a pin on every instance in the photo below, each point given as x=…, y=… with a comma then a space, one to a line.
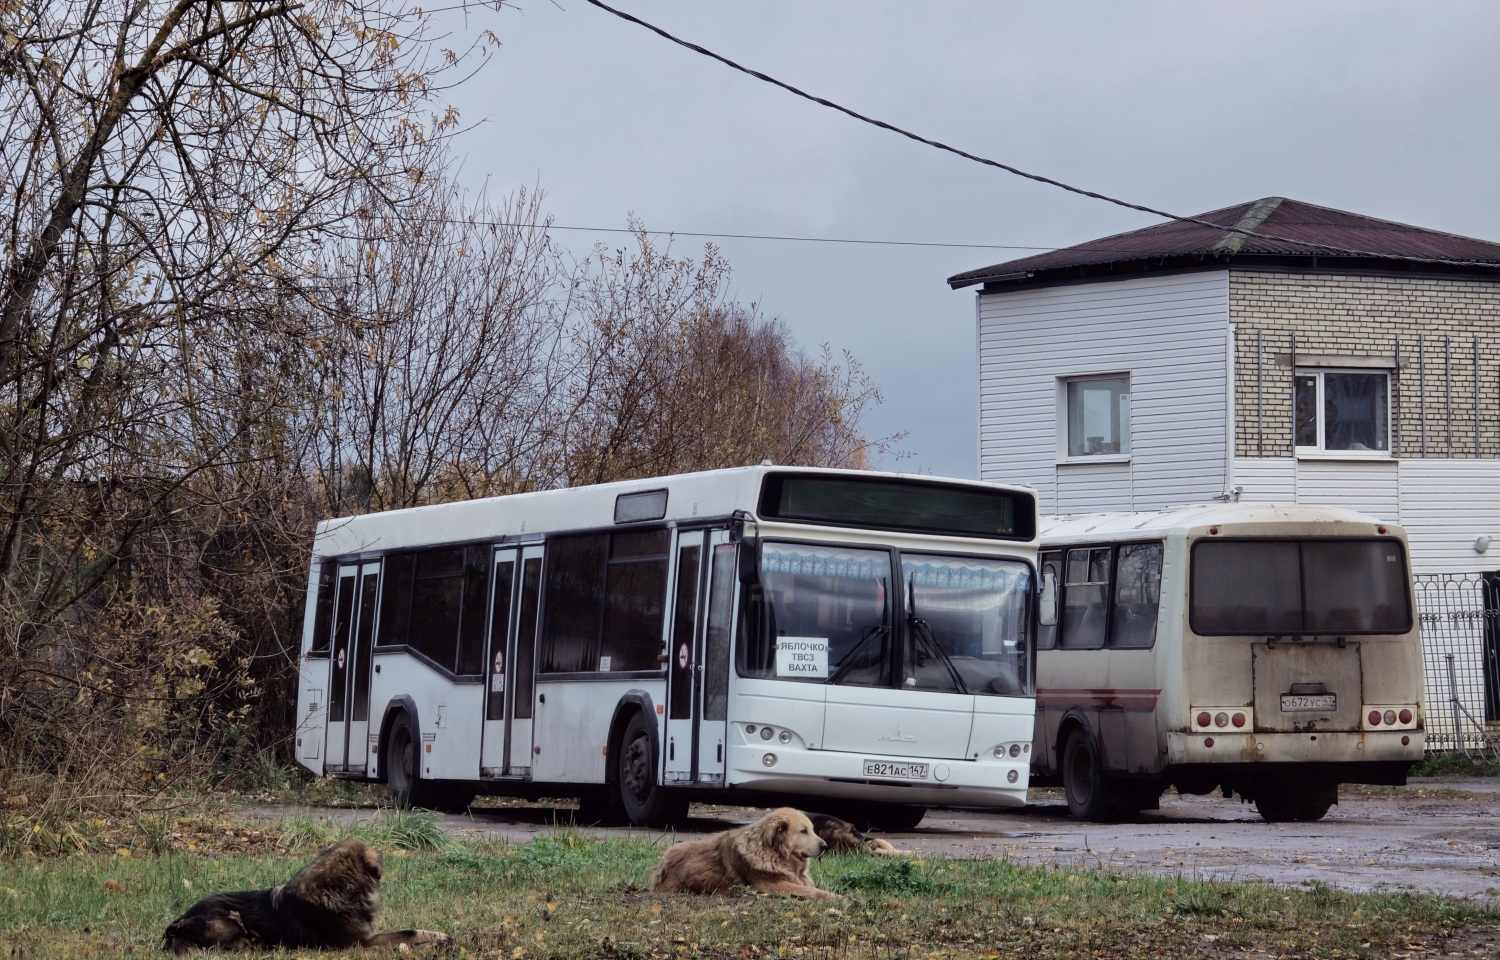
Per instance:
x=1299, y=587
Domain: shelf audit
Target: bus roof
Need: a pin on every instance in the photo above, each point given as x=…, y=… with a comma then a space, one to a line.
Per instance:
x=690, y=496
x=1185, y=519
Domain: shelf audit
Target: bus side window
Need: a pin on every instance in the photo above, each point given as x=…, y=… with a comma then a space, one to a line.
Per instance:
x=755, y=650
x=322, y=635
x=1051, y=570
x=471, y=624
x=1137, y=596
x=1086, y=598
x=635, y=601
x=436, y=603
x=395, y=601
x=573, y=603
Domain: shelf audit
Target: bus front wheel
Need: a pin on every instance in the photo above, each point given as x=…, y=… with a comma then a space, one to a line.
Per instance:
x=646, y=802
x=1083, y=780
x=893, y=817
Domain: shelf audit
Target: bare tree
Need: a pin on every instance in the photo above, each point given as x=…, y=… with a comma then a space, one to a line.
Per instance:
x=673, y=375
x=167, y=170
x=446, y=337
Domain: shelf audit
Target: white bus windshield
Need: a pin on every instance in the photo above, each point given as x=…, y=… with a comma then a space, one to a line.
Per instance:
x=880, y=618
x=1299, y=587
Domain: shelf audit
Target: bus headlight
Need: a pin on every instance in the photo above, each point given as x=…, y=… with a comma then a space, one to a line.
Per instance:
x=769, y=759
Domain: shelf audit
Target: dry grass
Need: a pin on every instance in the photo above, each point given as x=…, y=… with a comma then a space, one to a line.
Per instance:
x=569, y=896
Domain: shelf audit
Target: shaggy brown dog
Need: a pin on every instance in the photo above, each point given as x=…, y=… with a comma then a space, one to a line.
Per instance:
x=771, y=855
x=841, y=835
x=331, y=903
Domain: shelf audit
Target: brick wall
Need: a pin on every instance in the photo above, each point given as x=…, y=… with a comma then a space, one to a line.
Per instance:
x=1364, y=316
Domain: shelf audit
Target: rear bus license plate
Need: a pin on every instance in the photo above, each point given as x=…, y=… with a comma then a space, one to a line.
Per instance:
x=895, y=771
x=1325, y=701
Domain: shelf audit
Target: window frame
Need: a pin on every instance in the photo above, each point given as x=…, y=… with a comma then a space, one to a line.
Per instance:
x=1321, y=448
x=1055, y=636
x=1120, y=416
x=1195, y=626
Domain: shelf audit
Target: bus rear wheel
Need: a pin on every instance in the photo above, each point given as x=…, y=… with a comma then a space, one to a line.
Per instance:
x=1286, y=804
x=645, y=801
x=1083, y=779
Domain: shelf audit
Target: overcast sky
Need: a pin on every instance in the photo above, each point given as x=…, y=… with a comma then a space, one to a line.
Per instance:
x=1381, y=108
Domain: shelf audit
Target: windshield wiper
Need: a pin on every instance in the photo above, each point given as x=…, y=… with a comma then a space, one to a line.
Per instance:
x=920, y=629
x=847, y=661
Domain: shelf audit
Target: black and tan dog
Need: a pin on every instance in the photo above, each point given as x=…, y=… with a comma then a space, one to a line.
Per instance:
x=842, y=835
x=330, y=903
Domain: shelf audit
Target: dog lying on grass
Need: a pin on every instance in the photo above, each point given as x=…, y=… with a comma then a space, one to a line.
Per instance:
x=841, y=835
x=770, y=855
x=330, y=903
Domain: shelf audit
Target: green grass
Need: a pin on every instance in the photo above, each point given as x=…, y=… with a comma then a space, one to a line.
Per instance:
x=570, y=896
x=1457, y=765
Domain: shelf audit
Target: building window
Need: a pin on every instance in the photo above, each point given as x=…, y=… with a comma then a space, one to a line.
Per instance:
x=1098, y=416
x=1342, y=410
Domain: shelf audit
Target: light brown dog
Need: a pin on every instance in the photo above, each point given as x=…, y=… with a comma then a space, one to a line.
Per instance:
x=841, y=835
x=330, y=903
x=770, y=855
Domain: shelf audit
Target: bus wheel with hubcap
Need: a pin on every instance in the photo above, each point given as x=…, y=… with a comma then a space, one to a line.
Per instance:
x=1083, y=781
x=646, y=802
x=403, y=773
x=1284, y=804
x=401, y=764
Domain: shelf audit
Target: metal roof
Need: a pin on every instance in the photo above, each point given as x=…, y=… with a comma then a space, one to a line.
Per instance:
x=1274, y=227
x=1185, y=519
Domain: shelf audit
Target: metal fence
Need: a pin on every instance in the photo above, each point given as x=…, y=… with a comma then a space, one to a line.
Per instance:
x=1460, y=616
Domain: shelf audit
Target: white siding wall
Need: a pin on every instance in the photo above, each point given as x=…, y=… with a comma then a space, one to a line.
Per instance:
x=1367, y=487
x=1266, y=479
x=1445, y=505
x=1169, y=333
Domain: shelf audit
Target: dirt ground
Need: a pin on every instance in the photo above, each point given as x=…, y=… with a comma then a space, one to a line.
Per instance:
x=1430, y=837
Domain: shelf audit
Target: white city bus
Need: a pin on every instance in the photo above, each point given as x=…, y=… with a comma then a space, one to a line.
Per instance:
x=1266, y=651
x=854, y=641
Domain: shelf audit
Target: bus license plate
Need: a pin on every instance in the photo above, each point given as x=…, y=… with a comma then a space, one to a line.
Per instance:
x=895, y=771
x=1292, y=701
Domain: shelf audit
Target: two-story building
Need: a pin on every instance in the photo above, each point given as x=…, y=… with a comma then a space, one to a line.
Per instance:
x=1278, y=352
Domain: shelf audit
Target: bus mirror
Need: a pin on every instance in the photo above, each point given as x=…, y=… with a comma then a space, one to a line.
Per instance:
x=1047, y=603
x=749, y=560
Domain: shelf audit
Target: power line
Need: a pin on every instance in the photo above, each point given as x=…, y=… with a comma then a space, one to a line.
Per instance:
x=1049, y=181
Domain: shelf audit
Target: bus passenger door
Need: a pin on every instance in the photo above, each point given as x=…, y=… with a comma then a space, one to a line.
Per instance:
x=715, y=653
x=520, y=700
x=698, y=677
x=360, y=660
x=684, y=658
x=349, y=680
x=501, y=643
x=338, y=671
